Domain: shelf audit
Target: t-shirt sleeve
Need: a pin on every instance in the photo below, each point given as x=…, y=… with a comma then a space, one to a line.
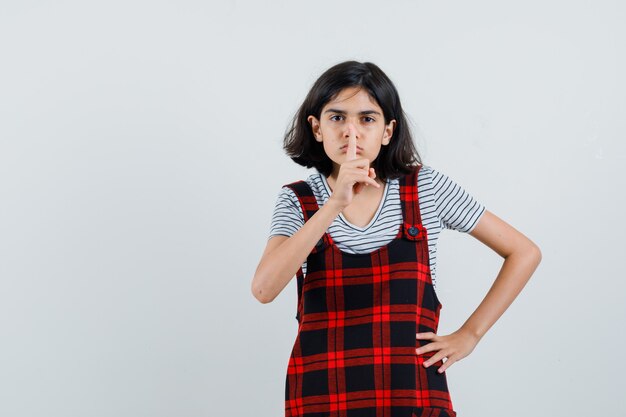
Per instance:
x=287, y=217
x=456, y=208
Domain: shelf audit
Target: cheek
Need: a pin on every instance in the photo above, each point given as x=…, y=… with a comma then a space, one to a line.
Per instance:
x=329, y=128
x=331, y=150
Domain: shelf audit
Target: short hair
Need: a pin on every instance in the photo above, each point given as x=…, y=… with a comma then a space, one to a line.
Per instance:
x=398, y=158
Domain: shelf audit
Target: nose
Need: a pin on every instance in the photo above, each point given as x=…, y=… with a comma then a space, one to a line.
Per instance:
x=350, y=130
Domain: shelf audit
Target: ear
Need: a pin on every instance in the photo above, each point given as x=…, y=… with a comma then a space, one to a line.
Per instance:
x=388, y=132
x=315, y=127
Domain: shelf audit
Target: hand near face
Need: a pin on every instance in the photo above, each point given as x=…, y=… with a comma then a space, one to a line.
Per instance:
x=354, y=174
x=351, y=152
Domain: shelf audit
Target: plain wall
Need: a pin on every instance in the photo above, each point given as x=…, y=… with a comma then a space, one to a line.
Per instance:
x=140, y=160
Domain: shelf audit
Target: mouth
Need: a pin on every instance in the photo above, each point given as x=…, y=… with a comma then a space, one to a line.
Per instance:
x=344, y=148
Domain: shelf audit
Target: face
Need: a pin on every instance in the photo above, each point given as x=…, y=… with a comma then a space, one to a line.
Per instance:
x=353, y=111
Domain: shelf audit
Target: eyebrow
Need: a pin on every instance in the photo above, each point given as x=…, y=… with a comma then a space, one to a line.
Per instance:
x=343, y=112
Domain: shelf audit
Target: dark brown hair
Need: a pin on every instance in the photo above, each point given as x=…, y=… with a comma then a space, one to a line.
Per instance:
x=398, y=158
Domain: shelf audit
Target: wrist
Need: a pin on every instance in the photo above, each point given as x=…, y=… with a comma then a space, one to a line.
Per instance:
x=475, y=334
x=334, y=205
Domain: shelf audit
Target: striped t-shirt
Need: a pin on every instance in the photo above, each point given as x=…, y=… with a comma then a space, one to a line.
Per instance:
x=443, y=204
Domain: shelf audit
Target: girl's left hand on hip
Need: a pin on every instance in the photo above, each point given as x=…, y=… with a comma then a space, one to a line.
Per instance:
x=454, y=347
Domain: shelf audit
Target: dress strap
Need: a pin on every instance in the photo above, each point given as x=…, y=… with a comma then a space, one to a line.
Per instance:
x=309, y=206
x=409, y=195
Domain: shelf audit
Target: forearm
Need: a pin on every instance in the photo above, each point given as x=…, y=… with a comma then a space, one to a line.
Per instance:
x=280, y=265
x=516, y=270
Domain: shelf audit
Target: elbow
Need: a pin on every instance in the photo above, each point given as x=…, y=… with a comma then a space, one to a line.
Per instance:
x=528, y=251
x=539, y=256
x=260, y=292
x=535, y=253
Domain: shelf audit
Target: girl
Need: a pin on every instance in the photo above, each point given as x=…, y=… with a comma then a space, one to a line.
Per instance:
x=360, y=235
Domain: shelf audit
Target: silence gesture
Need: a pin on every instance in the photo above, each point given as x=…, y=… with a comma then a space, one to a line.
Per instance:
x=354, y=174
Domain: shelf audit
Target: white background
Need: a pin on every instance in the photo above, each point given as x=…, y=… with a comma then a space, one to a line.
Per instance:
x=140, y=160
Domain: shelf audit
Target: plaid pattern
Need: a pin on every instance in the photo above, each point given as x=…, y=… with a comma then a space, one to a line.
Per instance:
x=354, y=355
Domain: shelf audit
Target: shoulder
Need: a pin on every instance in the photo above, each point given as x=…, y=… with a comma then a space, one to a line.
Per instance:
x=292, y=190
x=312, y=180
x=435, y=181
x=428, y=174
x=455, y=206
x=314, y=183
x=425, y=180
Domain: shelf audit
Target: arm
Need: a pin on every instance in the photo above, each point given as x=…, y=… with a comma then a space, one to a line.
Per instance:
x=284, y=255
x=521, y=258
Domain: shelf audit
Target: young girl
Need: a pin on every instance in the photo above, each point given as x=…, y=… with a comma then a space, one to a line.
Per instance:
x=360, y=235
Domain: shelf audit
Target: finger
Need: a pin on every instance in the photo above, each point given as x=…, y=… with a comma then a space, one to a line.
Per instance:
x=427, y=335
x=371, y=181
x=351, y=152
x=362, y=177
x=434, y=359
x=445, y=365
x=427, y=348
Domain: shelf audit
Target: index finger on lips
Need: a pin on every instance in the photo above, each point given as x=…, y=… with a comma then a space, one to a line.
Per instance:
x=351, y=151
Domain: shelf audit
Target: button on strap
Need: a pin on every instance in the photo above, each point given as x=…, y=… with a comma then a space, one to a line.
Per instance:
x=414, y=231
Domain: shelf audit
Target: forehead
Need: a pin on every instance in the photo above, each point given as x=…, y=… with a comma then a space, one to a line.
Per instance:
x=353, y=96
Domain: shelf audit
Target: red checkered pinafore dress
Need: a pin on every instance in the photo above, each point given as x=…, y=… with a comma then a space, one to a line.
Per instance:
x=354, y=354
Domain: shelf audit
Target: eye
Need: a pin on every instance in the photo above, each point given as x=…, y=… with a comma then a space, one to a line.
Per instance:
x=333, y=116
x=370, y=119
